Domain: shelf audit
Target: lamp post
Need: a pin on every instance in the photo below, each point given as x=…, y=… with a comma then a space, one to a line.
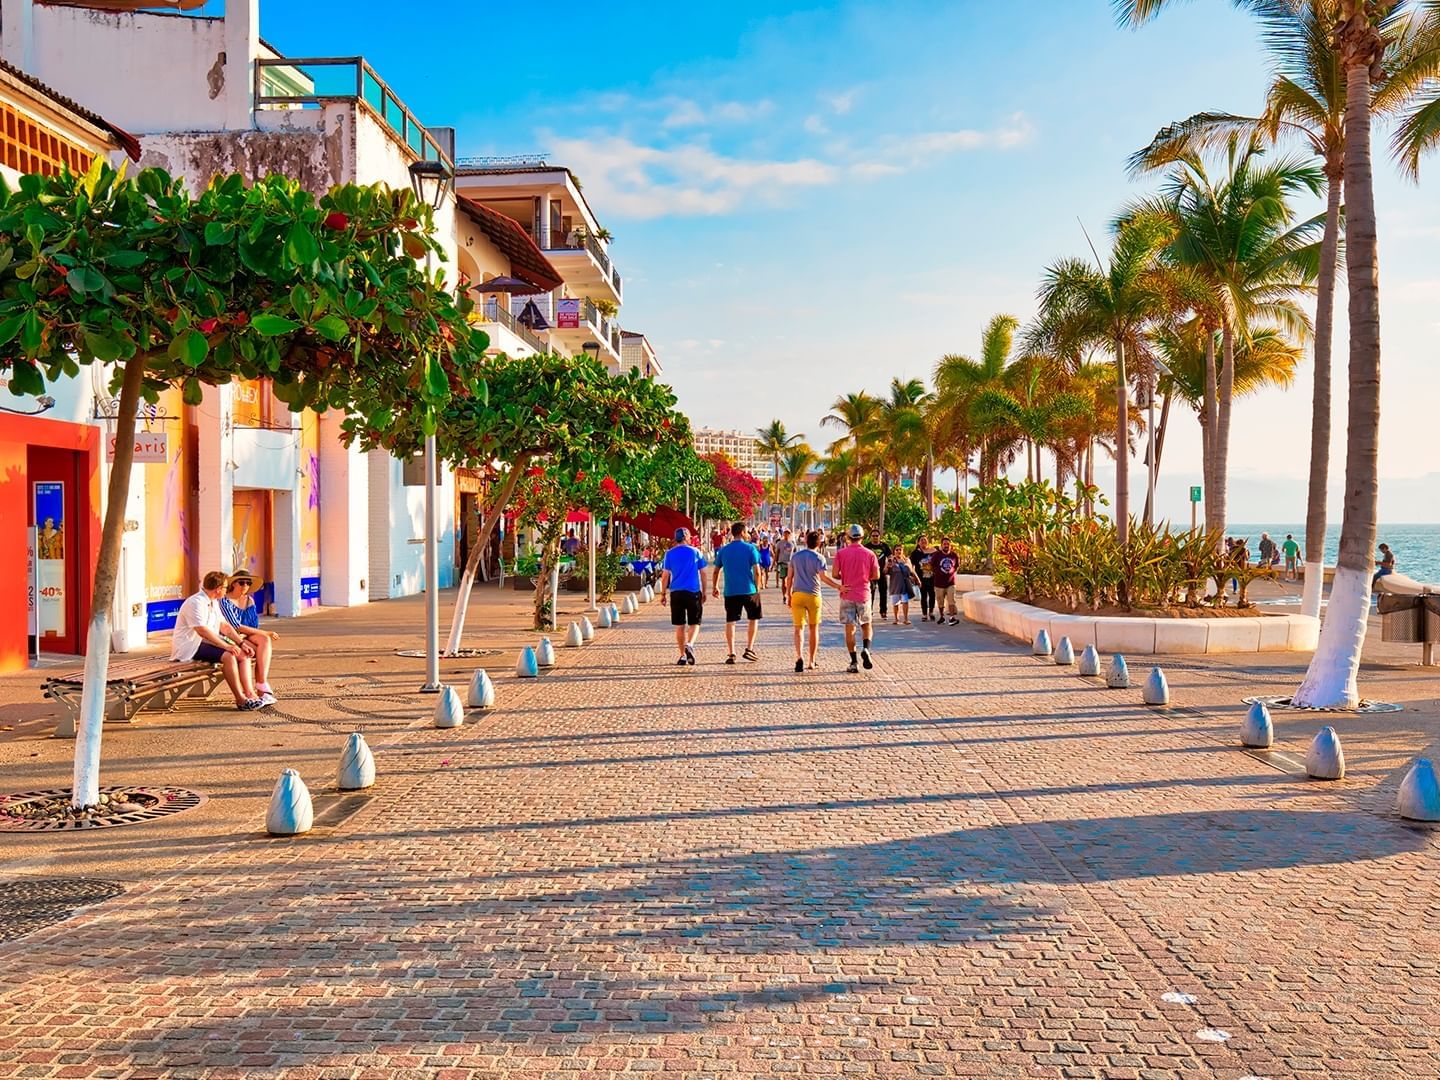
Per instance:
x=592, y=349
x=430, y=179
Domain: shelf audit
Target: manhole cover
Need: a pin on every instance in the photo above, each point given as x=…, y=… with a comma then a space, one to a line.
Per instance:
x=1285, y=702
x=30, y=904
x=42, y=811
x=460, y=654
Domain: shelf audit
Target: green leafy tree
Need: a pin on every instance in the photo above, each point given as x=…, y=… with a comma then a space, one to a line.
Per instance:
x=322, y=296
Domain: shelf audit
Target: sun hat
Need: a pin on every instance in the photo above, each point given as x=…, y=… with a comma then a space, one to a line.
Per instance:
x=856, y=531
x=239, y=576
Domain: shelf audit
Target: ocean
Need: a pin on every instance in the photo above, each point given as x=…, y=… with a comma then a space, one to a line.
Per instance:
x=1416, y=547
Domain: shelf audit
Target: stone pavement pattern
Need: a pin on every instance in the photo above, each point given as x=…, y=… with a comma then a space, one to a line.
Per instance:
x=963, y=863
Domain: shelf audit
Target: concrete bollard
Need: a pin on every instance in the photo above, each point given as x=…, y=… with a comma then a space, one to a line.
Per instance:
x=545, y=653
x=1419, y=796
x=1325, y=760
x=614, y=614
x=573, y=637
x=1064, y=652
x=1089, y=661
x=527, y=666
x=587, y=630
x=1257, y=731
x=1042, y=643
x=290, y=812
x=449, y=712
x=647, y=594
x=627, y=604
x=1157, y=688
x=1117, y=675
x=482, y=691
x=357, y=764
x=604, y=616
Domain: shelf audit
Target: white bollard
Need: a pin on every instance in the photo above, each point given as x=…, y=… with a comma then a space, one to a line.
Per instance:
x=482, y=690
x=614, y=614
x=357, y=764
x=1157, y=688
x=647, y=594
x=1257, y=732
x=545, y=653
x=1042, y=643
x=449, y=712
x=290, y=812
x=1064, y=653
x=527, y=666
x=627, y=604
x=573, y=637
x=587, y=629
x=1117, y=675
x=604, y=616
x=1325, y=760
x=1089, y=661
x=1419, y=796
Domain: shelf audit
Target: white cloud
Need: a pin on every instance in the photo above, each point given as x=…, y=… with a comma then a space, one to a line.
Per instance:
x=920, y=148
x=815, y=125
x=685, y=112
x=842, y=102
x=630, y=180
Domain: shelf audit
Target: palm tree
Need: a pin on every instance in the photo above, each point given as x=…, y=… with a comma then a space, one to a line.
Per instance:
x=795, y=466
x=837, y=471
x=1115, y=307
x=1360, y=42
x=960, y=379
x=1236, y=232
x=858, y=415
x=774, y=440
x=900, y=435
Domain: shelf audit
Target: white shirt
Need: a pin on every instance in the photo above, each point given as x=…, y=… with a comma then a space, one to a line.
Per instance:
x=199, y=610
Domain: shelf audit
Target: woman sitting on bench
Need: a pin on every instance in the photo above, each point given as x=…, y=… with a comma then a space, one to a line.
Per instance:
x=238, y=608
x=200, y=634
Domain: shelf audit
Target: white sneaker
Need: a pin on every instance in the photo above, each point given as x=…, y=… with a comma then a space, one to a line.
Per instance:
x=267, y=699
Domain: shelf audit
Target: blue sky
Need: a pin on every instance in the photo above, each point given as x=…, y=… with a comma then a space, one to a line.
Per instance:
x=810, y=199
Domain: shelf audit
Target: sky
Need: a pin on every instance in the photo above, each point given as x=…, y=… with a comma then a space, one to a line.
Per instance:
x=811, y=199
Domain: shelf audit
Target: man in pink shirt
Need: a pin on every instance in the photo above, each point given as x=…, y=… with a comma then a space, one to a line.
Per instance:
x=856, y=566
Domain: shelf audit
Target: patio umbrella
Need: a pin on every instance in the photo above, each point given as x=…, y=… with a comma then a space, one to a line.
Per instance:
x=531, y=316
x=506, y=284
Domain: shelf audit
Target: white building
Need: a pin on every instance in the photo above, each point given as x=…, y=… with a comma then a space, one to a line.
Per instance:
x=739, y=446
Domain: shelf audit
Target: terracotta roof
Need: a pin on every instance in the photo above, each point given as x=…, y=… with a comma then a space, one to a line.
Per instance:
x=123, y=139
x=527, y=261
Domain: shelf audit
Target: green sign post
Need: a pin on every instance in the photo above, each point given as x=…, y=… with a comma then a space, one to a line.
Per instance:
x=1195, y=495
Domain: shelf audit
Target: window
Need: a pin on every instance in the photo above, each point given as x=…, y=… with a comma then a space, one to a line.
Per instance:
x=28, y=147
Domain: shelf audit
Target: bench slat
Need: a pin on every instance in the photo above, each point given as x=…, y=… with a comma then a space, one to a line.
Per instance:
x=134, y=671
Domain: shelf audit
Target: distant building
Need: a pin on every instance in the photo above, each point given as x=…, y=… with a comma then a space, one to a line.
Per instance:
x=637, y=354
x=739, y=446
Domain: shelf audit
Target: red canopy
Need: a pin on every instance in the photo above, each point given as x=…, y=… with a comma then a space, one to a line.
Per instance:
x=662, y=521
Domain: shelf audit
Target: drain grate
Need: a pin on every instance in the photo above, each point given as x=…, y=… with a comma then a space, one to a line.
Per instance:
x=31, y=904
x=1364, y=708
x=49, y=810
x=461, y=654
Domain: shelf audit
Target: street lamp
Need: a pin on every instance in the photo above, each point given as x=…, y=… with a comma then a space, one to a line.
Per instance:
x=430, y=180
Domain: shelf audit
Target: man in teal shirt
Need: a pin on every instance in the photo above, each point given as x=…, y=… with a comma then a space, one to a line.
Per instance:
x=739, y=561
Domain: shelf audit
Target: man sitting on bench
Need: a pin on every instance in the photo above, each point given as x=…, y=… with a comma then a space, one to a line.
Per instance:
x=238, y=608
x=200, y=634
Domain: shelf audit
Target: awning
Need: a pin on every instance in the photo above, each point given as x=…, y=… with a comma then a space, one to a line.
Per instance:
x=662, y=521
x=527, y=261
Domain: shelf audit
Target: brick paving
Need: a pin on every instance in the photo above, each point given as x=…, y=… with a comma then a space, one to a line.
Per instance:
x=962, y=864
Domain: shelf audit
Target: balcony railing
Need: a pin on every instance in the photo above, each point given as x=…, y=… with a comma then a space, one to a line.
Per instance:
x=573, y=242
x=311, y=82
x=493, y=312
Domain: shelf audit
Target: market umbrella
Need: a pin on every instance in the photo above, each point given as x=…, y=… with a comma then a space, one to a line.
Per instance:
x=531, y=316
x=506, y=284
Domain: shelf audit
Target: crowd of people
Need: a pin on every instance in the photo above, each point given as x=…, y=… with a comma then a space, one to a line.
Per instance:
x=875, y=579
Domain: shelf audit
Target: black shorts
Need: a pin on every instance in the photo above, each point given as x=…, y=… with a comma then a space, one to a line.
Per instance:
x=209, y=654
x=686, y=607
x=747, y=604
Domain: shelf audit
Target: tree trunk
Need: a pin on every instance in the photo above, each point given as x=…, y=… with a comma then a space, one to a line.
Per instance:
x=1209, y=425
x=1315, y=511
x=472, y=561
x=884, y=491
x=85, y=790
x=549, y=553
x=1122, y=446
x=1221, y=445
x=1159, y=451
x=1330, y=681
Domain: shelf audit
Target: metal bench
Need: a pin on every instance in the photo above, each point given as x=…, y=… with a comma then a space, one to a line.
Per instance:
x=1409, y=613
x=146, y=682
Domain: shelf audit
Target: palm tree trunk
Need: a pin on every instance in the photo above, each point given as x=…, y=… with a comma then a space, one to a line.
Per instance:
x=1122, y=445
x=1330, y=681
x=491, y=518
x=884, y=492
x=85, y=790
x=1159, y=451
x=1320, y=404
x=1221, y=448
x=1209, y=425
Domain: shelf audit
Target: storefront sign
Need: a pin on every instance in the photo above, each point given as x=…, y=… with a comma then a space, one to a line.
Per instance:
x=151, y=447
x=567, y=314
x=50, y=558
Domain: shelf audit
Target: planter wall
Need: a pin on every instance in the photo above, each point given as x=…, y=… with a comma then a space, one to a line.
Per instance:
x=1142, y=636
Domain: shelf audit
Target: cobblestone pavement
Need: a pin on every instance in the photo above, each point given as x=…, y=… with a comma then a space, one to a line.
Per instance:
x=964, y=863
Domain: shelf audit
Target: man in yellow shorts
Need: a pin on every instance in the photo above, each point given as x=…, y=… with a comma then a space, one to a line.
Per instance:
x=807, y=571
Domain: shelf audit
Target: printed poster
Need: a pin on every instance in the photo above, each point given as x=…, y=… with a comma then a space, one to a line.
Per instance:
x=50, y=561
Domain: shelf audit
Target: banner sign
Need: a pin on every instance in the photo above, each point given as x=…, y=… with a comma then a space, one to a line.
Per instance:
x=50, y=558
x=151, y=447
x=567, y=314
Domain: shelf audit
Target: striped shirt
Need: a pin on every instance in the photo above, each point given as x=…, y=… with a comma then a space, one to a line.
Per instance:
x=236, y=616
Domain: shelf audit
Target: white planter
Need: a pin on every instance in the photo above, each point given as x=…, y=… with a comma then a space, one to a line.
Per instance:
x=1125, y=635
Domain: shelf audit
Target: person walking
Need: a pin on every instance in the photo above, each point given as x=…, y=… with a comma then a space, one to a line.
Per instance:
x=856, y=566
x=784, y=552
x=682, y=576
x=943, y=566
x=739, y=562
x=880, y=587
x=920, y=562
x=807, y=571
x=1292, y=557
x=902, y=588
x=766, y=560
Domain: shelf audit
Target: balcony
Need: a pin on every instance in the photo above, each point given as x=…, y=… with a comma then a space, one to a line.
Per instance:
x=312, y=82
x=594, y=326
x=507, y=334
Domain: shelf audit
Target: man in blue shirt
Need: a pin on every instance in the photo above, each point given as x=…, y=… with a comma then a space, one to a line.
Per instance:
x=739, y=561
x=681, y=575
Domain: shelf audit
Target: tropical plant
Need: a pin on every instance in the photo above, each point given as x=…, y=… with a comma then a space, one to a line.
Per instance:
x=959, y=380
x=774, y=440
x=795, y=466
x=740, y=488
x=323, y=297
x=905, y=512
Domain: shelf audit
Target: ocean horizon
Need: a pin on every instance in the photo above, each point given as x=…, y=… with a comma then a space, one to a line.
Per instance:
x=1416, y=547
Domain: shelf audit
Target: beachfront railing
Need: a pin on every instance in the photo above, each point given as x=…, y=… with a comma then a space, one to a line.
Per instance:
x=312, y=81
